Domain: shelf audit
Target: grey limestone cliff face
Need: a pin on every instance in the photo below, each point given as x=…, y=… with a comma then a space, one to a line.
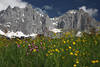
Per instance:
x=76, y=20
x=29, y=20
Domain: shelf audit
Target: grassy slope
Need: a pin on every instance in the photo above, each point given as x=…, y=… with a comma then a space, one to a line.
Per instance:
x=46, y=52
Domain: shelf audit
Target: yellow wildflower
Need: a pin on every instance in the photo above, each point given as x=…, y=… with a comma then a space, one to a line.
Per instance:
x=76, y=54
x=74, y=43
x=95, y=42
x=52, y=50
x=54, y=45
x=96, y=61
x=48, y=51
x=63, y=57
x=77, y=61
x=83, y=40
x=16, y=42
x=34, y=50
x=73, y=49
x=23, y=45
x=70, y=47
x=66, y=49
x=51, y=53
x=74, y=65
x=46, y=54
x=62, y=50
x=79, y=40
x=57, y=50
x=71, y=53
x=76, y=51
x=93, y=61
x=64, y=42
x=67, y=41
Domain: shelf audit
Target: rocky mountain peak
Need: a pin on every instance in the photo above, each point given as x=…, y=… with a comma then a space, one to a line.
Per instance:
x=29, y=6
x=9, y=8
x=29, y=21
x=78, y=20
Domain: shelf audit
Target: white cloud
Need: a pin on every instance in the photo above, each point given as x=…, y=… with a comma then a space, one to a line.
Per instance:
x=47, y=7
x=5, y=3
x=90, y=11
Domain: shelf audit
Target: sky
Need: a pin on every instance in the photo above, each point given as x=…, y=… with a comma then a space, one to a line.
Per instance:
x=56, y=8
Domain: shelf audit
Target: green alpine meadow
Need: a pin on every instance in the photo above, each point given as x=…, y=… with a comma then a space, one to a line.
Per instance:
x=66, y=51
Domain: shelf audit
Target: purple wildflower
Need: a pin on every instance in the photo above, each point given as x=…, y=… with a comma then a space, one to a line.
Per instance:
x=36, y=47
x=37, y=50
x=29, y=45
x=18, y=45
x=41, y=43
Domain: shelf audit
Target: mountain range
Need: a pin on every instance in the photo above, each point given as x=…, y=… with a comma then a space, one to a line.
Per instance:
x=29, y=21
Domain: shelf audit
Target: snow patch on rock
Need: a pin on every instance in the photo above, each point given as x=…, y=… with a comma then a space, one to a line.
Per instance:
x=79, y=34
x=19, y=34
x=72, y=11
x=55, y=30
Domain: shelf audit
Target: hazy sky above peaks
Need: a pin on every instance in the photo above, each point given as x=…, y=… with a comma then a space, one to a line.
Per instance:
x=58, y=7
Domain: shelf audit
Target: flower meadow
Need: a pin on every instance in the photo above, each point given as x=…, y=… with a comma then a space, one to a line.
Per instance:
x=67, y=51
